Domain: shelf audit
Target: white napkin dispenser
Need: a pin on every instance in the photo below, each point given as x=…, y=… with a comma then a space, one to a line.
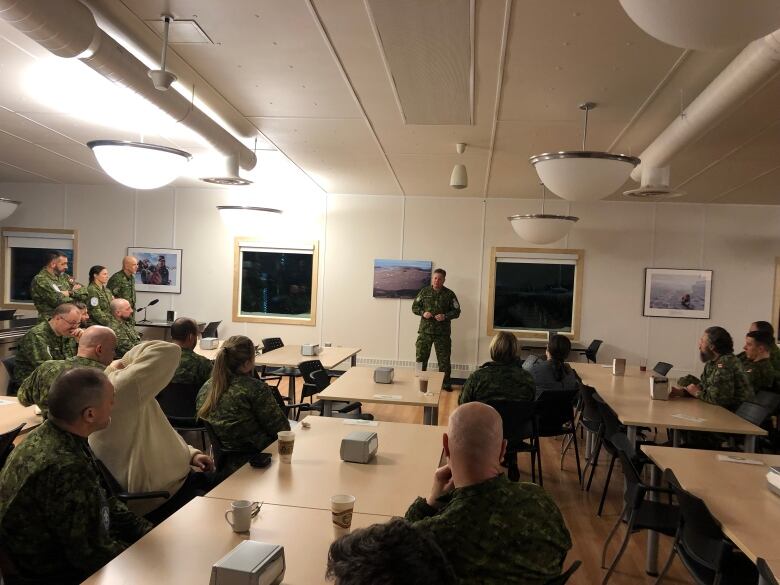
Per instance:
x=773, y=480
x=250, y=563
x=618, y=366
x=310, y=349
x=209, y=343
x=383, y=375
x=659, y=388
x=359, y=446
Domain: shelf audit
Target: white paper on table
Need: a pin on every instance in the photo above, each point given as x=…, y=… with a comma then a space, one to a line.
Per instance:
x=7, y=402
x=688, y=417
x=388, y=396
x=364, y=423
x=738, y=459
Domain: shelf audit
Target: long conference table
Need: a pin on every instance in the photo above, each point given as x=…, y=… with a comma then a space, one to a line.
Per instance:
x=296, y=505
x=13, y=414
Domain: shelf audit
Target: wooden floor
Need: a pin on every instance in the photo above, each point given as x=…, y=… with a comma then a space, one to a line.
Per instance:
x=588, y=531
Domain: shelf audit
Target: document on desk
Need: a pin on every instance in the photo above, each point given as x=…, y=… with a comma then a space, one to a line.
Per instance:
x=7, y=402
x=738, y=459
x=388, y=396
x=359, y=422
x=689, y=417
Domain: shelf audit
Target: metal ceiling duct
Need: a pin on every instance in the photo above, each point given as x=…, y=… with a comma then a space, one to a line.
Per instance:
x=67, y=28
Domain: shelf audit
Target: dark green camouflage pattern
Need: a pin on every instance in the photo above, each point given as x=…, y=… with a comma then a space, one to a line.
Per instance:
x=246, y=418
x=35, y=389
x=126, y=336
x=723, y=382
x=123, y=287
x=442, y=302
x=774, y=357
x=495, y=381
x=99, y=304
x=56, y=521
x=761, y=375
x=46, y=291
x=40, y=344
x=443, y=345
x=497, y=532
x=193, y=369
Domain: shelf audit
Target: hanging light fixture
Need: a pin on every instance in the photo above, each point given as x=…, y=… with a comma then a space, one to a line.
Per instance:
x=7, y=207
x=542, y=228
x=583, y=175
x=704, y=24
x=245, y=219
x=459, y=179
x=139, y=165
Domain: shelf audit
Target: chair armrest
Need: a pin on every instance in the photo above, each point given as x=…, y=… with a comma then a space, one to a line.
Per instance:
x=349, y=407
x=126, y=496
x=658, y=489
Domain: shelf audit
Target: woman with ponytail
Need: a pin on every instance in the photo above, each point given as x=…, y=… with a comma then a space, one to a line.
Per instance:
x=99, y=297
x=553, y=373
x=242, y=409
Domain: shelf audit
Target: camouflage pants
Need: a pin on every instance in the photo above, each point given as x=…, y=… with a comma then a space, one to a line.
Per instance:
x=443, y=346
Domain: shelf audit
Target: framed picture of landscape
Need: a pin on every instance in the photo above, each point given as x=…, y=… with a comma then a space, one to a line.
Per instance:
x=672, y=292
x=400, y=279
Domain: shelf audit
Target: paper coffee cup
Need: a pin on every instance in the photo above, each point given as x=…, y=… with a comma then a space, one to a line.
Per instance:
x=342, y=506
x=422, y=384
x=241, y=512
x=286, y=445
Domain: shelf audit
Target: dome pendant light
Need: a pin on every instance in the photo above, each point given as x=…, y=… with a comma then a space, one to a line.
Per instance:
x=7, y=207
x=583, y=175
x=542, y=228
x=139, y=165
x=459, y=179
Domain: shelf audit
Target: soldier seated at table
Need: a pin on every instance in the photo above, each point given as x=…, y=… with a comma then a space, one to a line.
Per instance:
x=503, y=378
x=57, y=522
x=553, y=373
x=757, y=363
x=193, y=369
x=723, y=381
x=491, y=530
x=126, y=335
x=774, y=351
x=394, y=553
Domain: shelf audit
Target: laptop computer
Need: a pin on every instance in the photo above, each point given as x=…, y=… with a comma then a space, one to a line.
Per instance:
x=210, y=330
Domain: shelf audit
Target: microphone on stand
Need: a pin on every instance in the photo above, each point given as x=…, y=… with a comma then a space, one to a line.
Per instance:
x=152, y=302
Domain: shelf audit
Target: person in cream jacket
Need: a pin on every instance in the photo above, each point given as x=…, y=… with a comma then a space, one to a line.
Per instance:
x=140, y=447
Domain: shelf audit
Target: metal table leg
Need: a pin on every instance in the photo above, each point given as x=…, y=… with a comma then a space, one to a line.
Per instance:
x=589, y=436
x=676, y=438
x=431, y=415
x=631, y=434
x=750, y=443
x=327, y=408
x=651, y=565
x=353, y=360
x=291, y=388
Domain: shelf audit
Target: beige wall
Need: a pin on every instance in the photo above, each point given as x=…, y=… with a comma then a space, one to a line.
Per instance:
x=620, y=240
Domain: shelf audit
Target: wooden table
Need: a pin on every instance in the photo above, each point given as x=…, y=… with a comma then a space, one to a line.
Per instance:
x=357, y=384
x=736, y=494
x=182, y=549
x=12, y=414
x=403, y=469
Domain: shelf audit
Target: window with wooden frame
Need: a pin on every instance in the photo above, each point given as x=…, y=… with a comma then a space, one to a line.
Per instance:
x=275, y=284
x=23, y=252
x=535, y=291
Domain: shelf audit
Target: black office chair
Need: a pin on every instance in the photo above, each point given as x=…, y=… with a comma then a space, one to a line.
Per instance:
x=222, y=453
x=662, y=368
x=7, y=443
x=591, y=351
x=765, y=573
x=315, y=380
x=10, y=365
x=178, y=403
x=753, y=413
x=519, y=421
x=638, y=513
x=566, y=575
x=270, y=344
x=710, y=557
x=591, y=421
x=770, y=400
x=116, y=490
x=555, y=417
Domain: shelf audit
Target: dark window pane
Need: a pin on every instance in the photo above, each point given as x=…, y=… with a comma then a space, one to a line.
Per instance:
x=25, y=264
x=534, y=296
x=277, y=283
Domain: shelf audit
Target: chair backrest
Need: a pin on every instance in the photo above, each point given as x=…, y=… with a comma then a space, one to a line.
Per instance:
x=307, y=367
x=10, y=364
x=272, y=343
x=662, y=368
x=765, y=573
x=770, y=400
x=593, y=349
x=210, y=330
x=566, y=575
x=554, y=409
x=217, y=448
x=753, y=413
x=7, y=443
x=611, y=422
x=178, y=400
x=109, y=480
x=635, y=490
x=591, y=415
x=518, y=418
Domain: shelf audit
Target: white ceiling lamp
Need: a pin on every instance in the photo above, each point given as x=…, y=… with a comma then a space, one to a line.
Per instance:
x=459, y=179
x=704, y=24
x=139, y=165
x=542, y=228
x=246, y=219
x=7, y=207
x=583, y=175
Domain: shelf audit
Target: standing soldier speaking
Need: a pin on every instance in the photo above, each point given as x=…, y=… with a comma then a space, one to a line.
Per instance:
x=437, y=306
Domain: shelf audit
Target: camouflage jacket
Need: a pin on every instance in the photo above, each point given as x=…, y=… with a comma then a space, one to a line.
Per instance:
x=496, y=381
x=35, y=389
x=246, y=418
x=40, y=344
x=774, y=357
x=123, y=287
x=443, y=302
x=761, y=375
x=193, y=369
x=56, y=521
x=99, y=304
x=46, y=291
x=497, y=532
x=126, y=336
x=723, y=382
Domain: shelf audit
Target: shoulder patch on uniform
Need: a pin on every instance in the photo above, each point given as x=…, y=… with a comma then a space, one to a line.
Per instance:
x=93, y=301
x=455, y=304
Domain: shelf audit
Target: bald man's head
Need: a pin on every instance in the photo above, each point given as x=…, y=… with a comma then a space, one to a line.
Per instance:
x=475, y=435
x=130, y=264
x=120, y=308
x=98, y=343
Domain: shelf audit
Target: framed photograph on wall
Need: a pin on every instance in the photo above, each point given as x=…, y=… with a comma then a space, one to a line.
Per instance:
x=400, y=279
x=159, y=269
x=672, y=292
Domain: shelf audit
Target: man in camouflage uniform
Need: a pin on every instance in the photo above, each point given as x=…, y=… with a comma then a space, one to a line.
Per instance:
x=501, y=379
x=723, y=381
x=774, y=351
x=757, y=363
x=95, y=350
x=126, y=335
x=193, y=369
x=58, y=524
x=52, y=286
x=493, y=531
x=50, y=340
x=122, y=283
x=437, y=306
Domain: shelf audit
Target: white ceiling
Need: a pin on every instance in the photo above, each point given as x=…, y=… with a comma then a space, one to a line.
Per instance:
x=311, y=76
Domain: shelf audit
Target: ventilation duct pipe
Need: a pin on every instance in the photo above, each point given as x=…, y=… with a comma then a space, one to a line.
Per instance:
x=751, y=69
x=68, y=29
